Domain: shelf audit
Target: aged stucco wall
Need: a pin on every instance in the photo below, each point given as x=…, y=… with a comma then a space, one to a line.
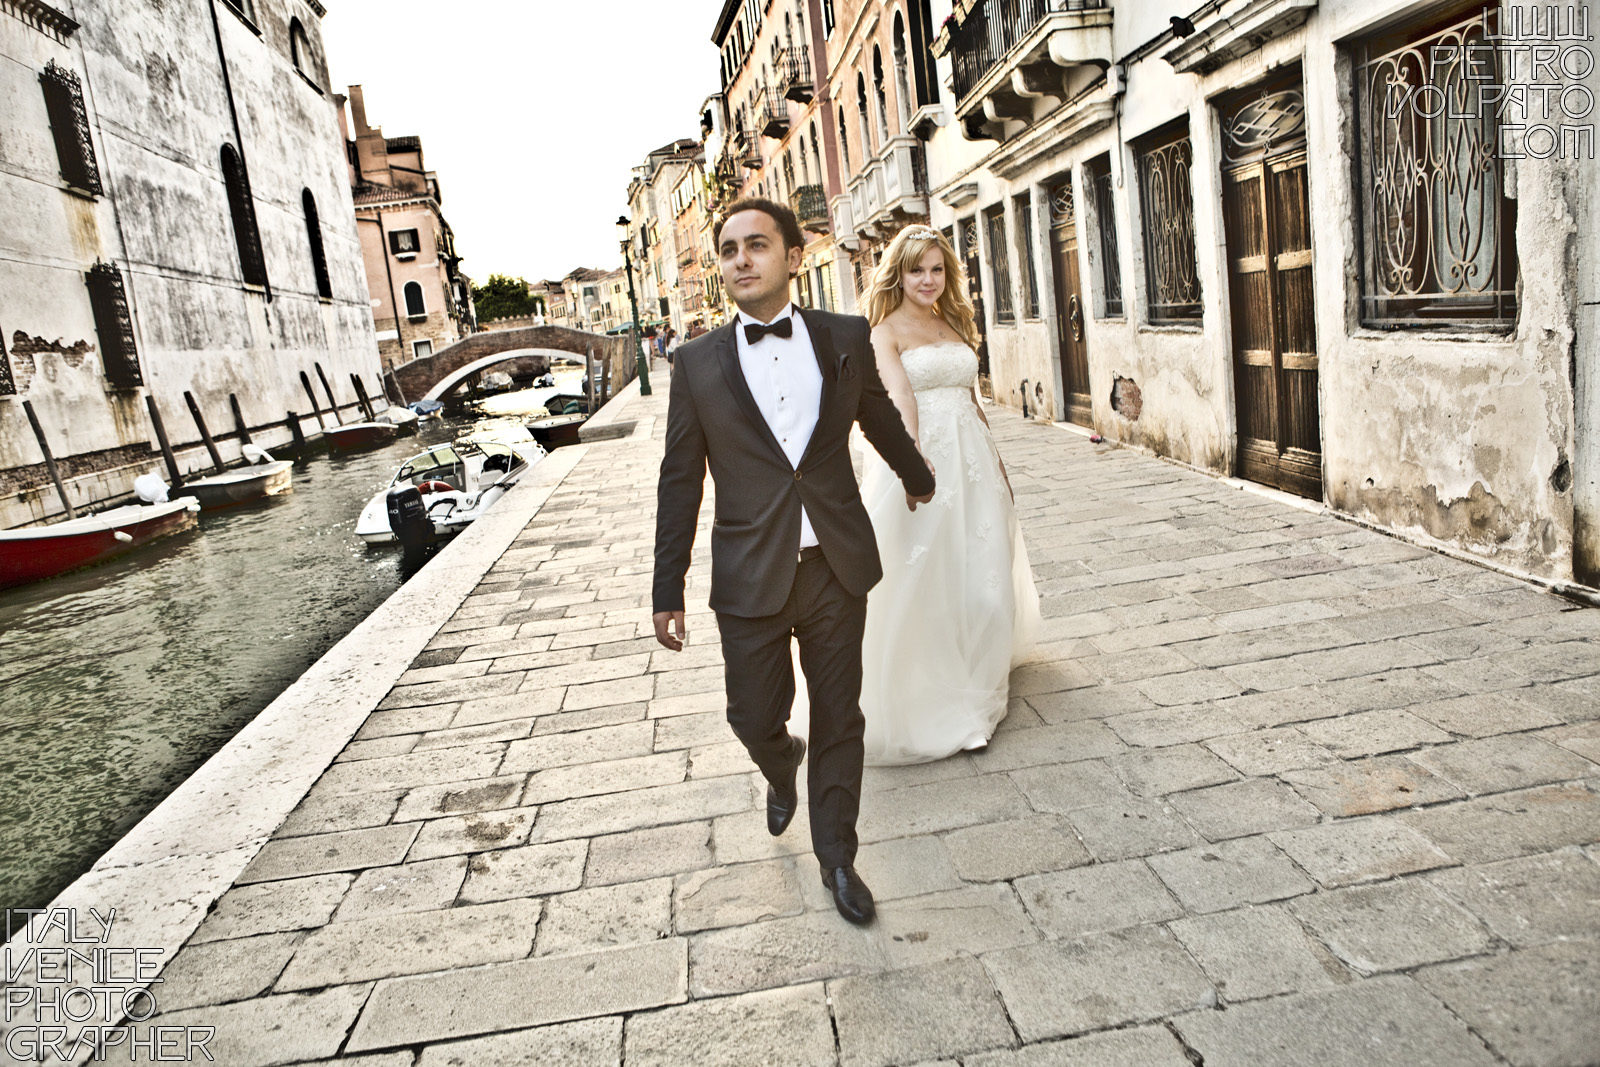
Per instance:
x=159, y=116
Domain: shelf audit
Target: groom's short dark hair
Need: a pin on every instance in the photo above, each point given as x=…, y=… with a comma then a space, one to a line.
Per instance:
x=788, y=225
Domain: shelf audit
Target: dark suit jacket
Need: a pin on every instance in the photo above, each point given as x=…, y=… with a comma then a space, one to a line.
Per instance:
x=712, y=420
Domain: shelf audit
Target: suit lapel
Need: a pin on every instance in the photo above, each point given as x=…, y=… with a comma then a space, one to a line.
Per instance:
x=828, y=363
x=728, y=356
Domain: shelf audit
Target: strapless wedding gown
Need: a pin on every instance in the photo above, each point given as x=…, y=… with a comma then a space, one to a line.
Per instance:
x=957, y=605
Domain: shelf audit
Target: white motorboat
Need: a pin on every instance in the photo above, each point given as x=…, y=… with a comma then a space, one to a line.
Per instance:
x=457, y=482
x=264, y=476
x=403, y=419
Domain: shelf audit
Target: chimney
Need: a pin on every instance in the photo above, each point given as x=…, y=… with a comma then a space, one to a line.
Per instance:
x=358, y=110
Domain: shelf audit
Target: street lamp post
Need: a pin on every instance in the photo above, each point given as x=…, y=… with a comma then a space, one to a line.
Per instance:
x=633, y=304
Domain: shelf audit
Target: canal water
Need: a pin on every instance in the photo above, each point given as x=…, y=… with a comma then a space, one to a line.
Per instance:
x=118, y=681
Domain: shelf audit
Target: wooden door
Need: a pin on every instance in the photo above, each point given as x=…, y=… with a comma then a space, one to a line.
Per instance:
x=1069, y=303
x=1268, y=227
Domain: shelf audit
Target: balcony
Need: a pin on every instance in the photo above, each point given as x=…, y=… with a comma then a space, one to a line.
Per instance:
x=891, y=189
x=794, y=74
x=744, y=151
x=1008, y=55
x=772, y=115
x=810, y=205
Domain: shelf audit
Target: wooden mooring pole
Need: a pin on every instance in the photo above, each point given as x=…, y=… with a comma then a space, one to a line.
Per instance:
x=238, y=420
x=333, y=404
x=49, y=460
x=161, y=440
x=316, y=408
x=205, y=434
x=361, y=397
x=297, y=433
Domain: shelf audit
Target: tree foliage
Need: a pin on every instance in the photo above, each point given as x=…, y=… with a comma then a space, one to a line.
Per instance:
x=503, y=298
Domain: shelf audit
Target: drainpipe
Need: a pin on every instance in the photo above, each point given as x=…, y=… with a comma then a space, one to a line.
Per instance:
x=233, y=112
x=394, y=303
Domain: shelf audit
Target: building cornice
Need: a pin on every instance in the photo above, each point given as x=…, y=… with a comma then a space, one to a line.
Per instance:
x=1066, y=127
x=42, y=17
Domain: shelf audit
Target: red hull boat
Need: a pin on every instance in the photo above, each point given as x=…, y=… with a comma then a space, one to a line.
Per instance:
x=359, y=435
x=37, y=552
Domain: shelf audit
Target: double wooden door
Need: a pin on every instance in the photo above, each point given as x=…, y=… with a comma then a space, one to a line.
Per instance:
x=1069, y=303
x=1268, y=226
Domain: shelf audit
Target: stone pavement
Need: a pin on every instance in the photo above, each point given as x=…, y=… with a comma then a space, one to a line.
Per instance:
x=1275, y=790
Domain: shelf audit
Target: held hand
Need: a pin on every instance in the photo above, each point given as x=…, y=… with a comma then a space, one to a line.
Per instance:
x=670, y=640
x=913, y=501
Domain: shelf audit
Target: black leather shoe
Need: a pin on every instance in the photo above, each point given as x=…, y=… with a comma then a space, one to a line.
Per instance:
x=781, y=805
x=850, y=894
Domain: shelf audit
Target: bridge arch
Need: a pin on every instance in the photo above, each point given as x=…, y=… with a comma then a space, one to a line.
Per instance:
x=425, y=377
x=450, y=381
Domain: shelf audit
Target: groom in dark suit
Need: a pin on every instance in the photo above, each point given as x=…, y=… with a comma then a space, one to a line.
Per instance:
x=767, y=402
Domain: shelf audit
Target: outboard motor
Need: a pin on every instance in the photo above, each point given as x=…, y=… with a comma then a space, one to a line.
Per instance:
x=409, y=519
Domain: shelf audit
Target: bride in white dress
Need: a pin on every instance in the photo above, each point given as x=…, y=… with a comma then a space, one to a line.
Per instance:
x=957, y=605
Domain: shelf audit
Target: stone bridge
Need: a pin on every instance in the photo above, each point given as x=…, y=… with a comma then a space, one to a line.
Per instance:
x=432, y=377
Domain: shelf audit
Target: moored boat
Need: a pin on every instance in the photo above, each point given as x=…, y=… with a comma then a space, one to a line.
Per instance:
x=457, y=483
x=557, y=430
x=403, y=419
x=239, y=486
x=37, y=552
x=356, y=436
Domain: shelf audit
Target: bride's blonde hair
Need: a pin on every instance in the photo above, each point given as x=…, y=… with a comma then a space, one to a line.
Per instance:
x=885, y=291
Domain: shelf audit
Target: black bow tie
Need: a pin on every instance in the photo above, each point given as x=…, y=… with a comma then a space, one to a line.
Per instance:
x=754, y=331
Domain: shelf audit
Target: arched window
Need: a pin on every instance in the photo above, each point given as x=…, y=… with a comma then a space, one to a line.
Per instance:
x=902, y=87
x=861, y=115
x=879, y=97
x=319, y=259
x=844, y=144
x=788, y=171
x=252, y=265
x=816, y=156
x=415, y=308
x=805, y=163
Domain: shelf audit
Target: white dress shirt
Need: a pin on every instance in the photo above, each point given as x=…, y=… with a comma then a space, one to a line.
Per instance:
x=786, y=382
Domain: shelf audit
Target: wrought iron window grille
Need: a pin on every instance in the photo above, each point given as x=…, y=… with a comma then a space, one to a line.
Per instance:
x=1030, y=278
x=994, y=221
x=1106, y=224
x=69, y=124
x=1438, y=232
x=113, y=324
x=1172, y=283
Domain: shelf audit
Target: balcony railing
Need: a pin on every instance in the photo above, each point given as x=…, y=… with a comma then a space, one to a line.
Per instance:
x=993, y=29
x=794, y=74
x=810, y=205
x=772, y=118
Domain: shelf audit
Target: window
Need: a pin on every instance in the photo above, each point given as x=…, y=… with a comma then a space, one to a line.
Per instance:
x=994, y=224
x=319, y=260
x=69, y=123
x=1030, y=281
x=827, y=17
x=113, y=325
x=1437, y=229
x=879, y=95
x=861, y=115
x=844, y=143
x=244, y=9
x=404, y=243
x=247, y=238
x=421, y=349
x=902, y=87
x=415, y=308
x=1172, y=285
x=300, y=53
x=1105, y=217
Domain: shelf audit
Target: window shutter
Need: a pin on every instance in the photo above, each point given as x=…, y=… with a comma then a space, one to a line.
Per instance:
x=69, y=122
x=114, y=325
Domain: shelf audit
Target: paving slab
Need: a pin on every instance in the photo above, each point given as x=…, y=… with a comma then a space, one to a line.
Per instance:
x=1533, y=1006
x=790, y=1026
x=1255, y=952
x=586, y=1043
x=959, y=922
x=1091, y=900
x=1140, y=1046
x=919, y=1013
x=523, y=993
x=1384, y=1020
x=1530, y=900
x=1391, y=927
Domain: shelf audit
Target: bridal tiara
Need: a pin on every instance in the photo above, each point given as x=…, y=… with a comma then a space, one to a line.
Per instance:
x=921, y=233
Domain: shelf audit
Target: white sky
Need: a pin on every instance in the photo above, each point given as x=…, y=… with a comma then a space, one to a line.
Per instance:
x=533, y=112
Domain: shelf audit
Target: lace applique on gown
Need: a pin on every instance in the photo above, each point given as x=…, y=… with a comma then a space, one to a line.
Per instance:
x=957, y=605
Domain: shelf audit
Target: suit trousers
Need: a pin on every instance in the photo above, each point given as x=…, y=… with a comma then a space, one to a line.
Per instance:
x=828, y=622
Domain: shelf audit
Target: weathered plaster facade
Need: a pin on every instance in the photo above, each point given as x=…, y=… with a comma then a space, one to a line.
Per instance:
x=164, y=87
x=1480, y=438
x=421, y=301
